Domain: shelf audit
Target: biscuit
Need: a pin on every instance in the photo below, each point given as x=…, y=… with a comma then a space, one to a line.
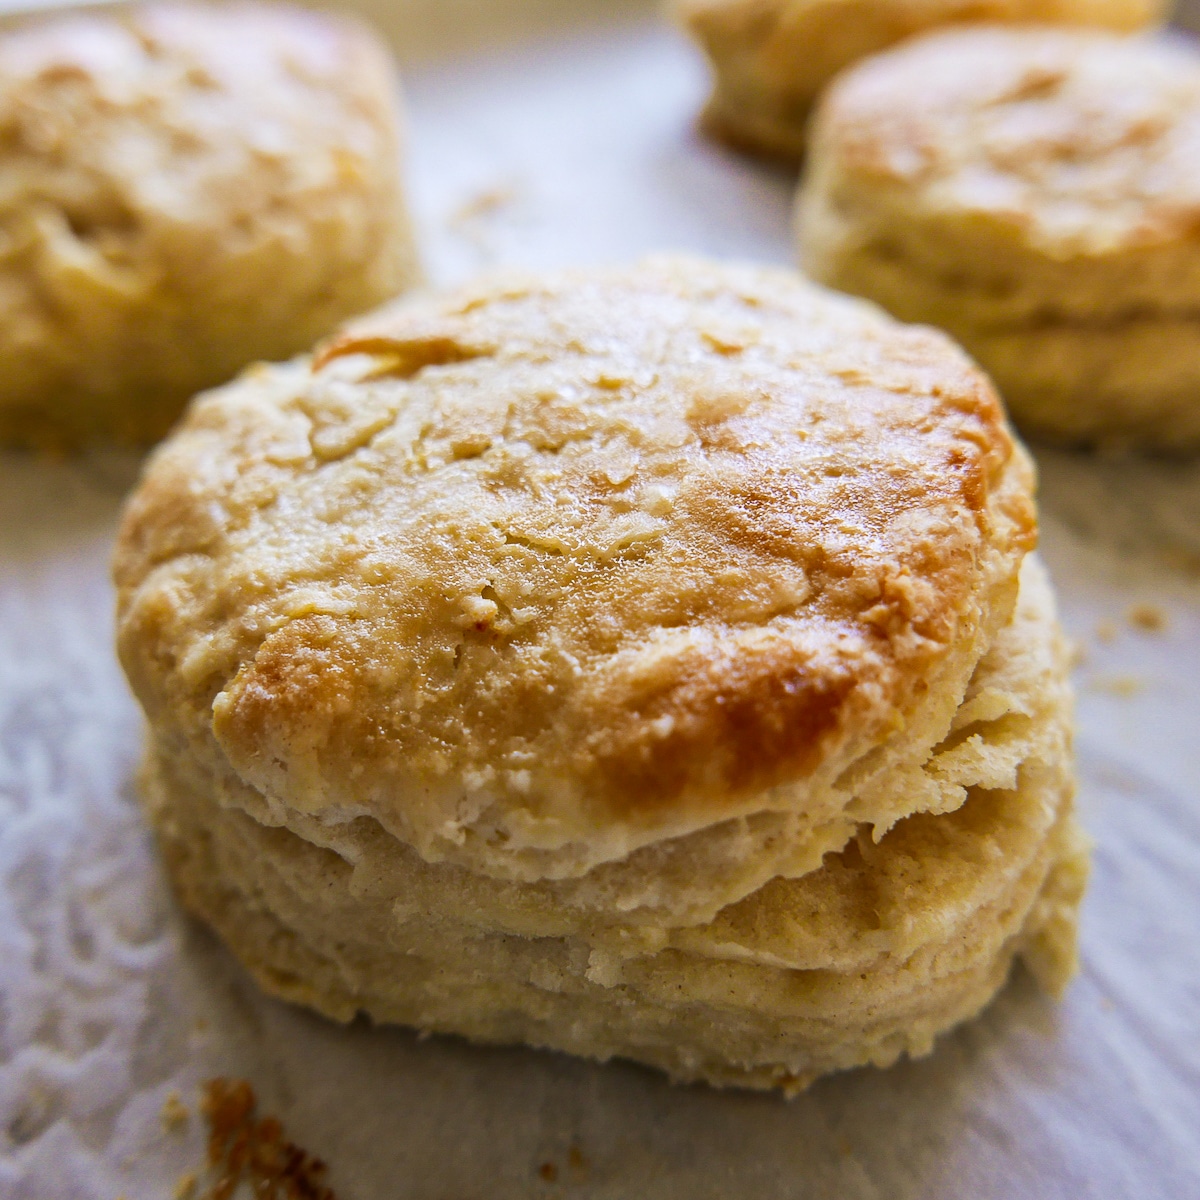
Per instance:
x=1035, y=193
x=544, y=660
x=185, y=189
x=771, y=58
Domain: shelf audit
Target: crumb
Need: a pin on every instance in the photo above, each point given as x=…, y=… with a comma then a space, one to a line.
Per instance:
x=548, y=1171
x=1118, y=685
x=185, y=1189
x=576, y=1160
x=1076, y=653
x=200, y=1024
x=174, y=1112
x=1148, y=617
x=1106, y=632
x=475, y=219
x=245, y=1149
x=482, y=204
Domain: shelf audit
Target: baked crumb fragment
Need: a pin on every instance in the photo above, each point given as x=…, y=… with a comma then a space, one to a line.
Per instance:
x=1148, y=617
x=1124, y=686
x=246, y=1149
x=174, y=1112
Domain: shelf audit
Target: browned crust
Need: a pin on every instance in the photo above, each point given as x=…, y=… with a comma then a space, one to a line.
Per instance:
x=845, y=509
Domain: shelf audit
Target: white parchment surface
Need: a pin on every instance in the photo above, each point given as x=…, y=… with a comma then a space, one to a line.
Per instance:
x=545, y=136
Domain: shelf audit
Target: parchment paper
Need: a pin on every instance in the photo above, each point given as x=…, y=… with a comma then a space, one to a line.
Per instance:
x=556, y=135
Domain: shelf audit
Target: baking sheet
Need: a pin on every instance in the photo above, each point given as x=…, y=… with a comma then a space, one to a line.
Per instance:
x=551, y=134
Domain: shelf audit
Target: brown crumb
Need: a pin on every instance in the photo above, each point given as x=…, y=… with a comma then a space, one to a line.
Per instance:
x=1077, y=653
x=185, y=1188
x=174, y=1112
x=1148, y=617
x=1118, y=685
x=484, y=203
x=576, y=1160
x=481, y=216
x=548, y=1171
x=245, y=1149
x=1106, y=632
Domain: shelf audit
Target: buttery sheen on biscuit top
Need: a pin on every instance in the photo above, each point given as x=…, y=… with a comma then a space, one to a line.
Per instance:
x=641, y=662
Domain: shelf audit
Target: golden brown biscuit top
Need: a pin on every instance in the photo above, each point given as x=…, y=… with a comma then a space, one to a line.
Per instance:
x=544, y=557
x=1081, y=142
x=157, y=139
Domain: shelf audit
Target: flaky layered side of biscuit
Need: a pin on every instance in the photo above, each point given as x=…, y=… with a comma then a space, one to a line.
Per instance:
x=871, y=956
x=772, y=58
x=1035, y=193
x=186, y=188
x=575, y=628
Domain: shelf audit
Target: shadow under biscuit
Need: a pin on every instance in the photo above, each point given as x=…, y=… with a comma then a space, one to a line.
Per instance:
x=464, y=1119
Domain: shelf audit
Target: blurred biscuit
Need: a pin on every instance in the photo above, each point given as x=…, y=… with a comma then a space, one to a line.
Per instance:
x=183, y=190
x=617, y=660
x=1036, y=193
x=771, y=58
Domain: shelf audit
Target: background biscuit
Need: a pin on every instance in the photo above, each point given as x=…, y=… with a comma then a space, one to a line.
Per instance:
x=771, y=58
x=1035, y=193
x=185, y=189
